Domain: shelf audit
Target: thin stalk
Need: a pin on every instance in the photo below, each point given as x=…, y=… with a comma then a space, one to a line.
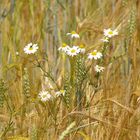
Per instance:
x=10, y=122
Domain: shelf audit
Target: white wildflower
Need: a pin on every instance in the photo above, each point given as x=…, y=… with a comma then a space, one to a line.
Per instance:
x=45, y=96
x=110, y=33
x=95, y=54
x=99, y=68
x=82, y=48
x=64, y=48
x=73, y=34
x=59, y=93
x=30, y=48
x=73, y=51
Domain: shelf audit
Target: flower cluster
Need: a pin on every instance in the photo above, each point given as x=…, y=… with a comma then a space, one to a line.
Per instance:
x=45, y=96
x=73, y=50
x=108, y=33
x=96, y=55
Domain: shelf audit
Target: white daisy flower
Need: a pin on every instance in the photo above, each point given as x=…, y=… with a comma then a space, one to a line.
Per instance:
x=45, y=96
x=82, y=48
x=73, y=51
x=30, y=48
x=64, y=47
x=105, y=39
x=73, y=34
x=110, y=33
x=59, y=93
x=98, y=68
x=95, y=54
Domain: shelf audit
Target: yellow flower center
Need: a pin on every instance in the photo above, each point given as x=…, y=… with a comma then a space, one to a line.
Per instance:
x=110, y=32
x=73, y=51
x=62, y=91
x=73, y=32
x=94, y=53
x=44, y=96
x=31, y=48
x=64, y=45
x=82, y=46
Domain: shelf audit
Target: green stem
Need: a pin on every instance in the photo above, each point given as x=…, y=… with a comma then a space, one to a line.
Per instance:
x=72, y=72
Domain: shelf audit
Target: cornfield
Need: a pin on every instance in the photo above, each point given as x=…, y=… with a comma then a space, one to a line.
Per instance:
x=69, y=69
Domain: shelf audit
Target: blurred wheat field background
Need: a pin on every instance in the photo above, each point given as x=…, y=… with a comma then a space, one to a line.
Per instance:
x=95, y=106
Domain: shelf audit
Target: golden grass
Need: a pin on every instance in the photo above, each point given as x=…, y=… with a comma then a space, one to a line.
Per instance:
x=101, y=108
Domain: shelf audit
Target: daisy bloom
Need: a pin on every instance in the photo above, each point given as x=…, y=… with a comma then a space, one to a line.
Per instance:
x=64, y=47
x=110, y=33
x=105, y=39
x=73, y=34
x=98, y=68
x=73, y=51
x=95, y=54
x=59, y=93
x=82, y=48
x=45, y=96
x=30, y=48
